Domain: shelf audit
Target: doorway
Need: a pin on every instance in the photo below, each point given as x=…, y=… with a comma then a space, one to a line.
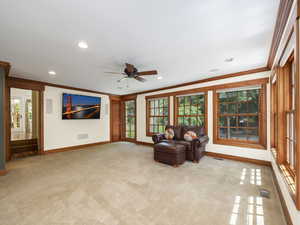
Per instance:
x=24, y=122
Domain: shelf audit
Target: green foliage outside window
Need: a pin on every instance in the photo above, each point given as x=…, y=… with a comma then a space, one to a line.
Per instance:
x=130, y=118
x=191, y=110
x=158, y=114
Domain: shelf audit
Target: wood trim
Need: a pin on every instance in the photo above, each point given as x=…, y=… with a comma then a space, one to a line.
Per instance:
x=129, y=140
x=128, y=97
x=41, y=122
x=110, y=120
x=240, y=144
x=264, y=117
x=274, y=114
x=24, y=84
x=297, y=110
x=75, y=147
x=212, y=88
x=281, y=119
x=280, y=62
x=238, y=158
x=3, y=172
x=282, y=200
x=6, y=66
x=221, y=77
x=283, y=13
x=115, y=97
x=111, y=100
x=39, y=84
x=144, y=143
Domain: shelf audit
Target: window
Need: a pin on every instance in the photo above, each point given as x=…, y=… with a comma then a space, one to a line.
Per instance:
x=238, y=115
x=130, y=117
x=285, y=110
x=191, y=110
x=157, y=115
x=290, y=157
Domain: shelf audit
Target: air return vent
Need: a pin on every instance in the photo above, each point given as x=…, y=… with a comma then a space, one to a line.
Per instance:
x=82, y=136
x=264, y=193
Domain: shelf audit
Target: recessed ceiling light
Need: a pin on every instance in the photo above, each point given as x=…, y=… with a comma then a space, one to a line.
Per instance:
x=159, y=77
x=229, y=59
x=82, y=44
x=52, y=73
x=214, y=70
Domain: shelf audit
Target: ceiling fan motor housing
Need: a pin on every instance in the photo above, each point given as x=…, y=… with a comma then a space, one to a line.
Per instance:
x=131, y=74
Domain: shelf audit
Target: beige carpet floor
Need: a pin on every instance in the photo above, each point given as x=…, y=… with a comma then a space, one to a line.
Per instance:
x=120, y=184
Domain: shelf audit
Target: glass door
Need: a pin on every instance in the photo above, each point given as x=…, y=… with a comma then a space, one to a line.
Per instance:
x=16, y=115
x=130, y=119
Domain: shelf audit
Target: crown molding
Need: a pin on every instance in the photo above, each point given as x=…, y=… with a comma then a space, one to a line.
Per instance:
x=283, y=13
x=230, y=75
x=14, y=80
x=6, y=66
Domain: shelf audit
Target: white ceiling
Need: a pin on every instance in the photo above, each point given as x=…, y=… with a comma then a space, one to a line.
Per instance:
x=182, y=39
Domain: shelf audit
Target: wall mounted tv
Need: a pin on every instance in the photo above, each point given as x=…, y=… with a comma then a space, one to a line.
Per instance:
x=80, y=107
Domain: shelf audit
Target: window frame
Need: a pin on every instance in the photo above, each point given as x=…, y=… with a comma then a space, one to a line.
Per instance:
x=274, y=115
x=176, y=108
x=135, y=124
x=283, y=106
x=261, y=144
x=148, y=133
x=290, y=110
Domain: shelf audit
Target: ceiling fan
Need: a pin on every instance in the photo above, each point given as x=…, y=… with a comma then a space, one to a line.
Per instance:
x=131, y=72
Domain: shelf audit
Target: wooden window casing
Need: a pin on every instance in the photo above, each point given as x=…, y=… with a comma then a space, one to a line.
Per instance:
x=239, y=118
x=290, y=142
x=274, y=115
x=130, y=119
x=191, y=110
x=285, y=126
x=157, y=115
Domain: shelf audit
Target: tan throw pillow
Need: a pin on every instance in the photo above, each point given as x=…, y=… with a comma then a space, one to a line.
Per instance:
x=190, y=135
x=169, y=133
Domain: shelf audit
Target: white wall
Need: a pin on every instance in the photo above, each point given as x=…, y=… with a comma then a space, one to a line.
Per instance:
x=60, y=133
x=224, y=149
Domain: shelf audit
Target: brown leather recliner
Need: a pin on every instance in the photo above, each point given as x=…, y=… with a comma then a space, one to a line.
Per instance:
x=194, y=149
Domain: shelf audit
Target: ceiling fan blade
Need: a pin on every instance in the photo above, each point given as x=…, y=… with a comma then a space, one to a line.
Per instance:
x=144, y=73
x=113, y=72
x=141, y=79
x=129, y=67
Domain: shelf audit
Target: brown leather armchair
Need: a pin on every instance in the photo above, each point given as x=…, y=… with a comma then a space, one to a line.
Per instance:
x=194, y=149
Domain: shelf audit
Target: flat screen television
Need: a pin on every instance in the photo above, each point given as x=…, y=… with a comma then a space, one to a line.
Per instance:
x=80, y=107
